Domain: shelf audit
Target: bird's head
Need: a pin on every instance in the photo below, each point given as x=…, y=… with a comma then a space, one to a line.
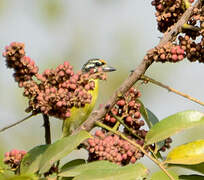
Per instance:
x=97, y=65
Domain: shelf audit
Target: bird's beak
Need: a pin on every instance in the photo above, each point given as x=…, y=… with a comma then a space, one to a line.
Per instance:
x=108, y=69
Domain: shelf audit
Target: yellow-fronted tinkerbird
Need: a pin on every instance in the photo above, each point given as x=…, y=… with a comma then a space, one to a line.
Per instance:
x=79, y=115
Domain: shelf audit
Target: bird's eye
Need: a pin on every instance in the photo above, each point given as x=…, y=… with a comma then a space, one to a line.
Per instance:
x=98, y=64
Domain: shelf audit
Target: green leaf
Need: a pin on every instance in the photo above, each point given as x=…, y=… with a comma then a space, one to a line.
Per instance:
x=72, y=164
x=195, y=167
x=148, y=115
x=191, y=177
x=5, y=173
x=22, y=177
x=191, y=153
x=153, y=120
x=143, y=111
x=162, y=176
x=105, y=170
x=174, y=124
x=2, y=151
x=60, y=149
x=30, y=162
x=150, y=119
x=89, y=166
x=129, y=172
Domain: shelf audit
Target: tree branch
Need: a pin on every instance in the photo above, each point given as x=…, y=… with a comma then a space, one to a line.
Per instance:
x=135, y=76
x=148, y=79
x=47, y=129
x=16, y=123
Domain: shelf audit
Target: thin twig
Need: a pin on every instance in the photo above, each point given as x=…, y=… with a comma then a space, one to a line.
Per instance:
x=47, y=129
x=131, y=131
x=148, y=79
x=116, y=126
x=16, y=123
x=137, y=146
x=135, y=76
x=128, y=128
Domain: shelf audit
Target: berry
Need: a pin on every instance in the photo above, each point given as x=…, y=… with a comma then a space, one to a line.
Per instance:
x=112, y=148
x=13, y=158
x=57, y=91
x=167, y=13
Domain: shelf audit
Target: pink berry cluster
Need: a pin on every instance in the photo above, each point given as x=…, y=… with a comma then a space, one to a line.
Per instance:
x=59, y=90
x=168, y=12
x=169, y=52
x=55, y=91
x=105, y=146
x=24, y=67
x=194, y=50
x=193, y=39
x=128, y=109
x=190, y=42
x=13, y=158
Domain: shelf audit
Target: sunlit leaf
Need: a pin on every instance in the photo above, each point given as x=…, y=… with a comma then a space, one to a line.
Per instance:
x=60, y=149
x=174, y=124
x=30, y=162
x=160, y=175
x=191, y=153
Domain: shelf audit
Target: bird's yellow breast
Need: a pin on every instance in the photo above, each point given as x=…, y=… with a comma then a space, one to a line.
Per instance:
x=79, y=115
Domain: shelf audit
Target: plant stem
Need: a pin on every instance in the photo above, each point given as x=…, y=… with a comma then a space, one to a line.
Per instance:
x=47, y=129
x=16, y=123
x=131, y=132
x=148, y=79
x=98, y=123
x=129, y=129
x=116, y=126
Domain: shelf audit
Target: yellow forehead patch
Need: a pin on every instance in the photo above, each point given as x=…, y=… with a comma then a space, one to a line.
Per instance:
x=103, y=61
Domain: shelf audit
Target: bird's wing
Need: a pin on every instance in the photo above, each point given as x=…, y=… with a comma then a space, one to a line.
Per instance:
x=79, y=115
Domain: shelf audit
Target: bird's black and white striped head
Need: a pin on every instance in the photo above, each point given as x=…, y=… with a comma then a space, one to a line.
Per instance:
x=95, y=64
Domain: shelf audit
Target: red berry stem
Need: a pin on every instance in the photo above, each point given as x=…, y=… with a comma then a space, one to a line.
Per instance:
x=16, y=123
